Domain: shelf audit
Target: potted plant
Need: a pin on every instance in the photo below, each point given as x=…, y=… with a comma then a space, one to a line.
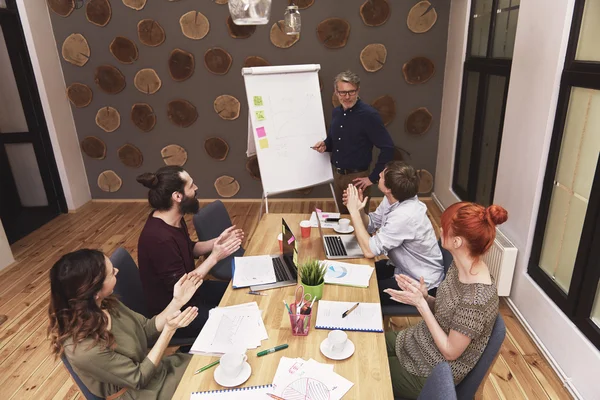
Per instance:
x=312, y=277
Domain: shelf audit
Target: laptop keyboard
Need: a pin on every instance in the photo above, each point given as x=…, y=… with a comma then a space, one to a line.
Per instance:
x=280, y=270
x=335, y=246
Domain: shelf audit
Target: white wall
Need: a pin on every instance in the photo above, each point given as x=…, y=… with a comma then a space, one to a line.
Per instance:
x=57, y=110
x=542, y=34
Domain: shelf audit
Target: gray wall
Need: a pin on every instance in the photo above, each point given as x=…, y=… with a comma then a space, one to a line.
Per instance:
x=203, y=87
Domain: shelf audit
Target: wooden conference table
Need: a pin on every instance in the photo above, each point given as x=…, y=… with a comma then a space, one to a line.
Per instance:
x=367, y=368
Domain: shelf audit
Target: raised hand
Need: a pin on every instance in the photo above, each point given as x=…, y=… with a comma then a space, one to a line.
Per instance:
x=405, y=281
x=181, y=319
x=412, y=296
x=225, y=246
x=353, y=200
x=361, y=196
x=185, y=288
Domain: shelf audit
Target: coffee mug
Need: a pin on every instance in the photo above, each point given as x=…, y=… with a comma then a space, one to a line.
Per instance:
x=344, y=224
x=337, y=340
x=232, y=363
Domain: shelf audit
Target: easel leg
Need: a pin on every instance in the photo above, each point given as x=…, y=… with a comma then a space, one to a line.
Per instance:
x=262, y=198
x=337, y=209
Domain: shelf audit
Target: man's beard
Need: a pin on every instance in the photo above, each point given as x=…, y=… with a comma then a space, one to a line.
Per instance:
x=189, y=205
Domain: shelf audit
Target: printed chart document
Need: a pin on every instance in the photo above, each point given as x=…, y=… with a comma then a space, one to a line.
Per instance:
x=323, y=216
x=346, y=274
x=366, y=317
x=254, y=270
x=240, y=325
x=249, y=393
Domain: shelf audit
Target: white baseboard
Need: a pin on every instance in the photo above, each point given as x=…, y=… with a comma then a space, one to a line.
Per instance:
x=437, y=202
x=561, y=374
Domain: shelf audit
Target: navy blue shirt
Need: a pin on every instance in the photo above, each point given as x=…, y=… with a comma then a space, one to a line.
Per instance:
x=351, y=138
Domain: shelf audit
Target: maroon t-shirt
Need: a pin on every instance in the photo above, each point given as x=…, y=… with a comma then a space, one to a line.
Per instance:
x=165, y=253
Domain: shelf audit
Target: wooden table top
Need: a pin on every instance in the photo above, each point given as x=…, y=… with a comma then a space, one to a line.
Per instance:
x=367, y=368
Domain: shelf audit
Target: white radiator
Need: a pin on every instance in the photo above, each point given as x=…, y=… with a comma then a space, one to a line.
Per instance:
x=501, y=259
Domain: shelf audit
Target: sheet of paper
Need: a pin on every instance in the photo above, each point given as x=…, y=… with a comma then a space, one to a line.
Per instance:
x=254, y=270
x=366, y=317
x=346, y=274
x=288, y=366
x=324, y=224
x=313, y=380
x=249, y=393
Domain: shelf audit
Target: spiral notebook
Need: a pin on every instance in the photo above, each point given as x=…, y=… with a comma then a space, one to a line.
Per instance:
x=251, y=392
x=366, y=317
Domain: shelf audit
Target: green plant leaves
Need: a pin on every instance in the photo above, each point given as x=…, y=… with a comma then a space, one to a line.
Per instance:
x=312, y=273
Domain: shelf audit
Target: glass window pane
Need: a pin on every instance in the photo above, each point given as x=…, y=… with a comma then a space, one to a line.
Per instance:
x=505, y=30
x=480, y=27
x=587, y=47
x=26, y=174
x=465, y=135
x=595, y=315
x=489, y=143
x=12, y=117
x=572, y=185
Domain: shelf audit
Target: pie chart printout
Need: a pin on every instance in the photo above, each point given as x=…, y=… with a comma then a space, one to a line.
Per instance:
x=306, y=389
x=336, y=271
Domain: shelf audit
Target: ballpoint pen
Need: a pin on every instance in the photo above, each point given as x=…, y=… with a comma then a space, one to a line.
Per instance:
x=256, y=293
x=288, y=307
x=212, y=364
x=275, y=396
x=345, y=314
x=272, y=350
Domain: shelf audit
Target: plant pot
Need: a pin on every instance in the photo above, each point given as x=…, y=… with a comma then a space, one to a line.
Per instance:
x=314, y=291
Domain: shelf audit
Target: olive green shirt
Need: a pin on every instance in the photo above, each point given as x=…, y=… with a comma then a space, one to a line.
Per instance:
x=106, y=371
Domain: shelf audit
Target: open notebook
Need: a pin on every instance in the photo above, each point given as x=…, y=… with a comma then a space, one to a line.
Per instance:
x=366, y=317
x=251, y=393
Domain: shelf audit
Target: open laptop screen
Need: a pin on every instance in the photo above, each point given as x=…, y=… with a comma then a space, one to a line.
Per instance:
x=290, y=247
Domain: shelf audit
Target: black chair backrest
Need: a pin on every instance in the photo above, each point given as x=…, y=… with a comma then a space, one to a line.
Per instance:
x=129, y=285
x=446, y=256
x=211, y=220
x=467, y=388
x=439, y=385
x=84, y=390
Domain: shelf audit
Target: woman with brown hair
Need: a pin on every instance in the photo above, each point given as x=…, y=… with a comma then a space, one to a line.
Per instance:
x=107, y=343
x=458, y=322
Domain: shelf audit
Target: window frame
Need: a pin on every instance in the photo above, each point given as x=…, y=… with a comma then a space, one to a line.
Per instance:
x=578, y=303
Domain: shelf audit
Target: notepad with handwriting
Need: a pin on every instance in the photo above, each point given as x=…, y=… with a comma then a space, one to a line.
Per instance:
x=366, y=317
x=250, y=393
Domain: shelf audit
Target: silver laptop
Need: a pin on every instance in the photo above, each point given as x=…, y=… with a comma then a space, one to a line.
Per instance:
x=339, y=246
x=285, y=269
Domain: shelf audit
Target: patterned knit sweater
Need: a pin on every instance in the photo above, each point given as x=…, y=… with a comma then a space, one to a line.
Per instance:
x=470, y=309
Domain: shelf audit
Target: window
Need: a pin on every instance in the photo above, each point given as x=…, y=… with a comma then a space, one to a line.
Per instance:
x=565, y=258
x=485, y=85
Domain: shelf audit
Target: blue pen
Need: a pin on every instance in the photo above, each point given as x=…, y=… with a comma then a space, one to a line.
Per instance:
x=288, y=307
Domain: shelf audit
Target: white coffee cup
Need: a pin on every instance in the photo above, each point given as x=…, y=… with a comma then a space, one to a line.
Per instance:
x=344, y=224
x=337, y=340
x=232, y=363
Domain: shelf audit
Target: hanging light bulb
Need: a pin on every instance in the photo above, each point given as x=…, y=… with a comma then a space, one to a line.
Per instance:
x=250, y=12
x=292, y=19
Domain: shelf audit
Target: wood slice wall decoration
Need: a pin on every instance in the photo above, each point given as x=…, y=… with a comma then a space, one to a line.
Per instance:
x=130, y=155
x=418, y=70
x=221, y=1
x=147, y=81
x=304, y=4
x=386, y=107
x=228, y=107
x=333, y=33
x=194, y=25
x=108, y=118
x=109, y=79
x=420, y=20
x=143, y=116
x=79, y=94
x=181, y=65
x=425, y=181
x=124, y=50
x=109, y=181
x=418, y=121
x=150, y=33
x=135, y=4
x=373, y=57
x=253, y=168
x=174, y=155
x=227, y=186
x=182, y=113
x=239, y=31
x=217, y=60
x=216, y=148
x=255, y=61
x=279, y=38
x=94, y=148
x=75, y=49
x=64, y=8
x=98, y=12
x=375, y=12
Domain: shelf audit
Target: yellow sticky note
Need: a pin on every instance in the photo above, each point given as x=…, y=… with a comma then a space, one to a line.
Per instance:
x=260, y=115
x=258, y=101
x=263, y=143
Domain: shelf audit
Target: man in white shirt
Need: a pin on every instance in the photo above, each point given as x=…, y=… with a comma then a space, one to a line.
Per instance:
x=400, y=230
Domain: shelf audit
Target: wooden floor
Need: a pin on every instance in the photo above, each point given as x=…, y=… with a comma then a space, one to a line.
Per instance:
x=27, y=370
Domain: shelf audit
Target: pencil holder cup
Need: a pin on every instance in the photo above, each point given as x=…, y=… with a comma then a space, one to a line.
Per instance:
x=300, y=322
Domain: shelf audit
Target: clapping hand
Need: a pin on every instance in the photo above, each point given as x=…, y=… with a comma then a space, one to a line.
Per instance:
x=345, y=196
x=227, y=243
x=413, y=293
x=181, y=319
x=405, y=281
x=231, y=233
x=353, y=202
x=185, y=288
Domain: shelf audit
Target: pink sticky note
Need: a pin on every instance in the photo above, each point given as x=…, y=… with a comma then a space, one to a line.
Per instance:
x=325, y=215
x=291, y=240
x=318, y=210
x=260, y=132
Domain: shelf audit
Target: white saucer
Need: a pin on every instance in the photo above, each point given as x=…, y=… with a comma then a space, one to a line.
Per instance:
x=342, y=355
x=228, y=381
x=349, y=230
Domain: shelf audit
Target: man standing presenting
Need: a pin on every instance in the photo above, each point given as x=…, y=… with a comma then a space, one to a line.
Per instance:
x=355, y=128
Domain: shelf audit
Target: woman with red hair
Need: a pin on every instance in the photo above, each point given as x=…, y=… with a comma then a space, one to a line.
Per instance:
x=458, y=322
